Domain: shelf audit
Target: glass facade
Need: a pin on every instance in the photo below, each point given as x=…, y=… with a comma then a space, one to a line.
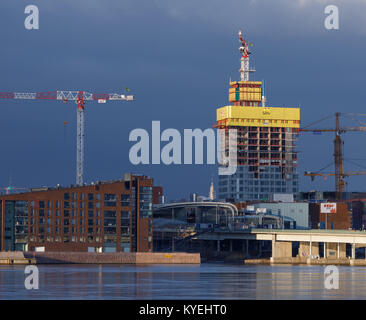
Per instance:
x=243, y=185
x=146, y=195
x=9, y=235
x=21, y=225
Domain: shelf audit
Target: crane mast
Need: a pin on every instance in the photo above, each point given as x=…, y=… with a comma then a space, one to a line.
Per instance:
x=80, y=97
x=244, y=60
x=339, y=173
x=338, y=160
x=80, y=140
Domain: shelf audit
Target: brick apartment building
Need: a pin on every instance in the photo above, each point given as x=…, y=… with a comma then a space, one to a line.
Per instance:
x=338, y=220
x=113, y=216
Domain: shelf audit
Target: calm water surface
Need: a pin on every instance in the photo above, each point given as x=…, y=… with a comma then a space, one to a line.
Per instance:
x=205, y=281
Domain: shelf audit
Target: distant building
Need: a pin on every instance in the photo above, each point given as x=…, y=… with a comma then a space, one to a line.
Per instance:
x=111, y=216
x=176, y=222
x=295, y=215
x=319, y=196
x=358, y=208
x=338, y=218
x=158, y=196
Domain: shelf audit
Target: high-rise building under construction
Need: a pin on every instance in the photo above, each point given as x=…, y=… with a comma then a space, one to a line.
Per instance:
x=265, y=140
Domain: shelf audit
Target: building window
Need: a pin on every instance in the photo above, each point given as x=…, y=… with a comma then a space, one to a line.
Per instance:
x=125, y=200
x=90, y=196
x=125, y=214
x=110, y=200
x=125, y=231
x=109, y=214
x=66, y=196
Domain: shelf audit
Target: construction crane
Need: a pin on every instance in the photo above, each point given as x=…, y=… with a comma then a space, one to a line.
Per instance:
x=10, y=189
x=339, y=173
x=80, y=97
x=244, y=60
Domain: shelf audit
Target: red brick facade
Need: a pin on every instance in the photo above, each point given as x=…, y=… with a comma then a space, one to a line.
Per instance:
x=105, y=217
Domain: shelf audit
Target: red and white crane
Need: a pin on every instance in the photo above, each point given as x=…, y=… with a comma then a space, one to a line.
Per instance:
x=244, y=60
x=80, y=97
x=10, y=189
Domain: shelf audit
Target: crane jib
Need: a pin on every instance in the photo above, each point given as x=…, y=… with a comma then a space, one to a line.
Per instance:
x=101, y=96
x=51, y=95
x=65, y=96
x=6, y=95
x=80, y=97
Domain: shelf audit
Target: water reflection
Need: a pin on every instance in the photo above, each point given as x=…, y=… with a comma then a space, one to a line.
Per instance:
x=206, y=281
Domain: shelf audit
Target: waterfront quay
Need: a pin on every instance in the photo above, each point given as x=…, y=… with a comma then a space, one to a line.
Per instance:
x=291, y=246
x=98, y=258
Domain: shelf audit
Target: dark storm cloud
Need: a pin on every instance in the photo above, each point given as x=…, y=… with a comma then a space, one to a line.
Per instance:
x=177, y=58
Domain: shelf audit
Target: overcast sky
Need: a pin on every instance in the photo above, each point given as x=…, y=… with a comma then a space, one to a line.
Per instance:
x=177, y=58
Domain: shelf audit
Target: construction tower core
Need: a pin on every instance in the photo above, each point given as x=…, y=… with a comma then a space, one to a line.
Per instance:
x=266, y=155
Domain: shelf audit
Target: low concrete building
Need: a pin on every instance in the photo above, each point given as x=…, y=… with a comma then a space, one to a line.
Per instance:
x=176, y=223
x=295, y=215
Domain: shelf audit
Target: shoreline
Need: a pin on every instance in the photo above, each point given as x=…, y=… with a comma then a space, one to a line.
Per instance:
x=306, y=261
x=25, y=258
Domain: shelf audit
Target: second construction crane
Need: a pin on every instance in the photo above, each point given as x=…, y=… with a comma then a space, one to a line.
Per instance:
x=80, y=97
x=339, y=173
